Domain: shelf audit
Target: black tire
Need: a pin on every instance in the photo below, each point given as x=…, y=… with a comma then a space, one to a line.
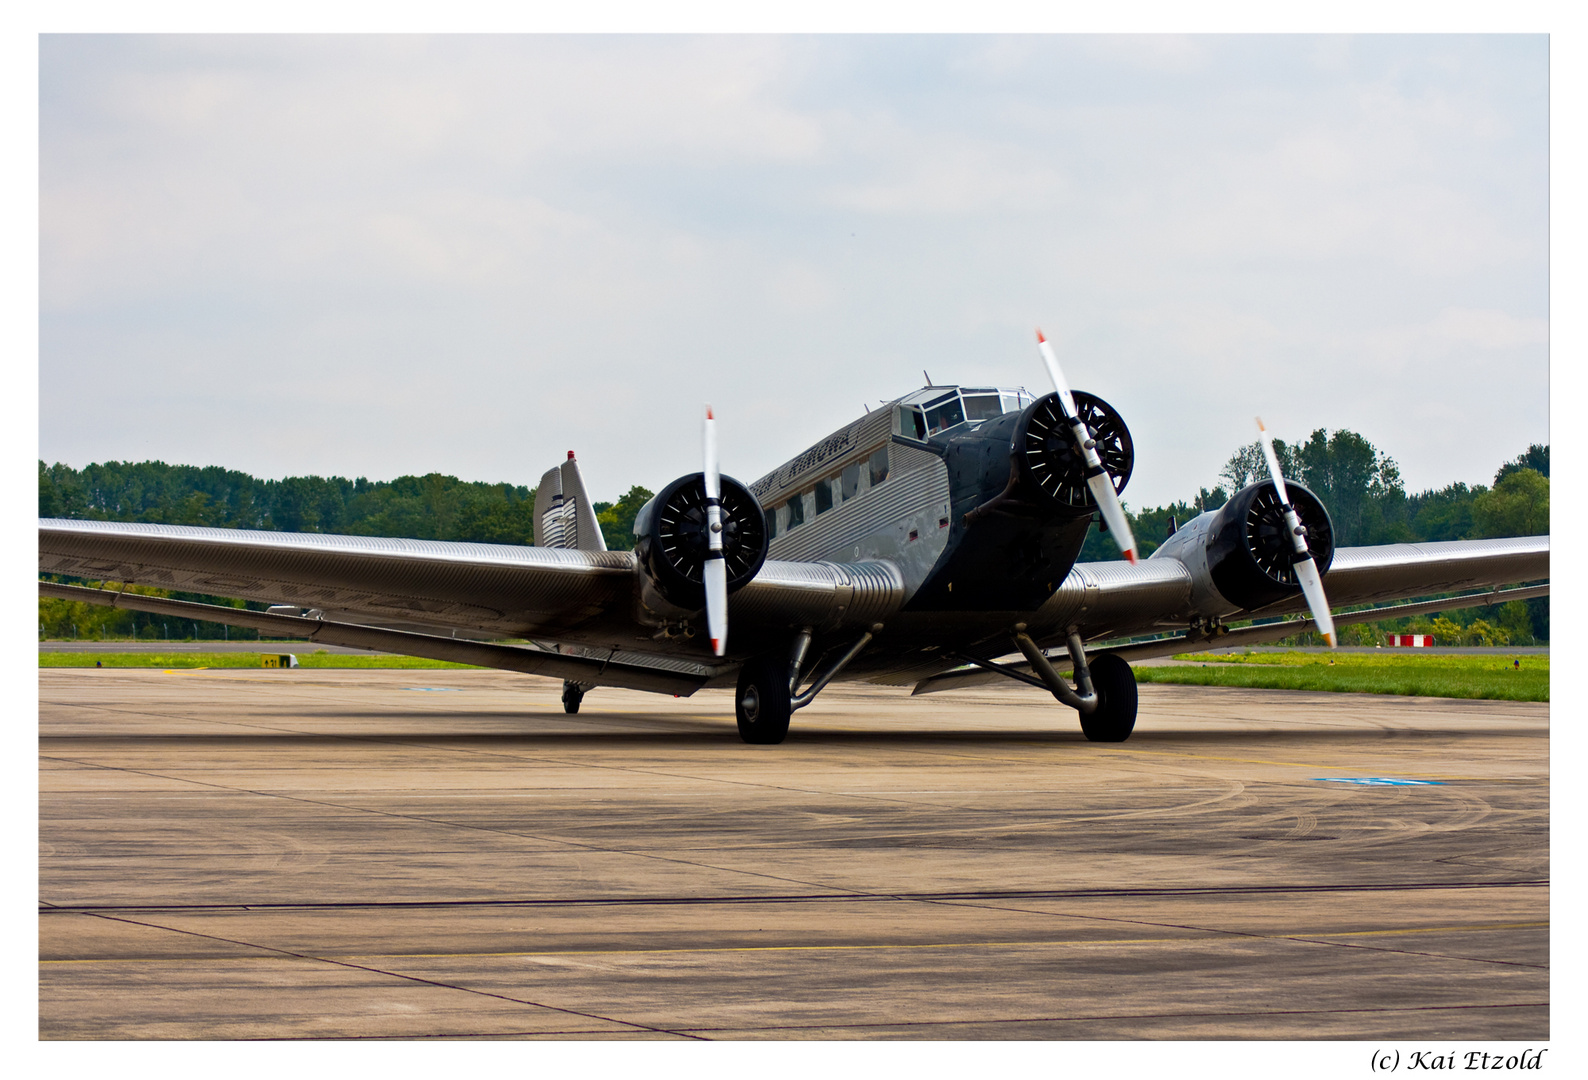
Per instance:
x=1115, y=716
x=762, y=701
x=572, y=695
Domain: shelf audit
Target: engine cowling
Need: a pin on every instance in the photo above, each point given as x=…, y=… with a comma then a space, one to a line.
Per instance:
x=671, y=544
x=1250, y=556
x=1052, y=468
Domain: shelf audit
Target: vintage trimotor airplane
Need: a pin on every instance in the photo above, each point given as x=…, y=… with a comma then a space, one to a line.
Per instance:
x=922, y=545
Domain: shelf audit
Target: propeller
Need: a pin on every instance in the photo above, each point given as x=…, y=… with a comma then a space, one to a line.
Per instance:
x=1097, y=478
x=714, y=570
x=1306, y=570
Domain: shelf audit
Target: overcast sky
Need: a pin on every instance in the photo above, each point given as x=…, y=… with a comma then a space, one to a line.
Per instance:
x=377, y=256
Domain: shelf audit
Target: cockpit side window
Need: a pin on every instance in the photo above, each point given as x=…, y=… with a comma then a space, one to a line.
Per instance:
x=944, y=415
x=908, y=421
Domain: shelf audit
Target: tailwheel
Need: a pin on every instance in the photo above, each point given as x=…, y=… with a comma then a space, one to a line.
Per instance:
x=572, y=695
x=1115, y=715
x=762, y=701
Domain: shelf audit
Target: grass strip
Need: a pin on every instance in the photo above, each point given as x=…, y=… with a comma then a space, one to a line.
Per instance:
x=1487, y=677
x=317, y=659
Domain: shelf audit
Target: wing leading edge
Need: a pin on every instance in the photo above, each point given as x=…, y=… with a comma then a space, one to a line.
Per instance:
x=577, y=597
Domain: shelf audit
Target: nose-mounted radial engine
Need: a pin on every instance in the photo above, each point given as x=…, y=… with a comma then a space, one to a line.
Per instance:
x=1024, y=490
x=1053, y=468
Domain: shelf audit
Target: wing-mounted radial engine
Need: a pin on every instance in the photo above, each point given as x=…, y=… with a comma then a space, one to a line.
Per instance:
x=701, y=538
x=1244, y=555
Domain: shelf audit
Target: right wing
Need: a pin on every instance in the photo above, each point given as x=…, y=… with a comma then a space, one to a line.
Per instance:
x=494, y=589
x=357, y=588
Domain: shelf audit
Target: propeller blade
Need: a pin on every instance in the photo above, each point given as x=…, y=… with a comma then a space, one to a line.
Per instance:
x=715, y=570
x=1306, y=570
x=1097, y=477
x=1312, y=589
x=1273, y=462
x=717, y=604
x=1056, y=374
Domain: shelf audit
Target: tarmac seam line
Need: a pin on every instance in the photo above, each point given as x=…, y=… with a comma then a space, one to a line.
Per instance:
x=289, y=954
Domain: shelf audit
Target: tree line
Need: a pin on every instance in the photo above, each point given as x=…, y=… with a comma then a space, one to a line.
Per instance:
x=431, y=507
x=1368, y=504
x=1359, y=484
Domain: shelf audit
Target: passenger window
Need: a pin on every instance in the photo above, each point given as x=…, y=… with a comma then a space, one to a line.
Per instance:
x=796, y=511
x=771, y=522
x=879, y=466
x=849, y=483
x=824, y=496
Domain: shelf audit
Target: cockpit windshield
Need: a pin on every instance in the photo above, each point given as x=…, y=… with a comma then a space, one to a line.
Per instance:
x=981, y=405
x=938, y=408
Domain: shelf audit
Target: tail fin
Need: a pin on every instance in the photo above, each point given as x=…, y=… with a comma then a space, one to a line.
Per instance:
x=563, y=515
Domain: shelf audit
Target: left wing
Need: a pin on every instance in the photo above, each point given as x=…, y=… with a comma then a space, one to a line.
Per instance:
x=1116, y=599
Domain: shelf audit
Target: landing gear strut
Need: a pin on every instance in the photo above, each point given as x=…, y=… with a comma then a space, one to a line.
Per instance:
x=1105, y=694
x=766, y=697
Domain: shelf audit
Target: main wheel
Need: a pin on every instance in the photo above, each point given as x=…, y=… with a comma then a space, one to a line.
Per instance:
x=1115, y=716
x=572, y=695
x=762, y=701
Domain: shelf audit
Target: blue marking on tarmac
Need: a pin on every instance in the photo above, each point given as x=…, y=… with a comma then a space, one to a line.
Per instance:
x=1379, y=781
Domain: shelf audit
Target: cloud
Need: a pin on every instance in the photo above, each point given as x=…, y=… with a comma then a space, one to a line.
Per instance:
x=465, y=253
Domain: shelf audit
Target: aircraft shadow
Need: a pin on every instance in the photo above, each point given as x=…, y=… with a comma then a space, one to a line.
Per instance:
x=661, y=731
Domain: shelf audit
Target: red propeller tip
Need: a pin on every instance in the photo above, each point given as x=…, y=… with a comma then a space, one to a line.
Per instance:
x=570, y=455
x=1130, y=557
x=708, y=413
x=1039, y=334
